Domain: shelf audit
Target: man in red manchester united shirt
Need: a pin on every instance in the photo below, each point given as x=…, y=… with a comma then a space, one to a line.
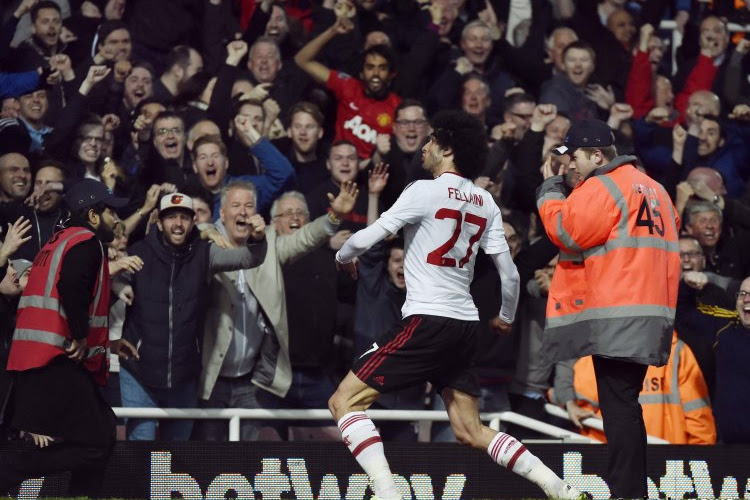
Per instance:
x=366, y=105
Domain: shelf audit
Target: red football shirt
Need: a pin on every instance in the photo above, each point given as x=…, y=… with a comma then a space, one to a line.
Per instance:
x=359, y=118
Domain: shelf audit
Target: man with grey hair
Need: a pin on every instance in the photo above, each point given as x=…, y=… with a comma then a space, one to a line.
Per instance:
x=264, y=60
x=287, y=83
x=168, y=311
x=311, y=311
x=246, y=345
x=725, y=250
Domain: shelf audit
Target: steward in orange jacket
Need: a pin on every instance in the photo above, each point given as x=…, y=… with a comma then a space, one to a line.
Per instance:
x=674, y=397
x=614, y=291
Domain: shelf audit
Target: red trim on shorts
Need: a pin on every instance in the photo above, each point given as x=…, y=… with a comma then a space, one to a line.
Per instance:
x=351, y=420
x=517, y=454
x=373, y=363
x=364, y=444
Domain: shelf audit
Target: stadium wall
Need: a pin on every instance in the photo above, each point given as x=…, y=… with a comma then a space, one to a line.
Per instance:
x=326, y=471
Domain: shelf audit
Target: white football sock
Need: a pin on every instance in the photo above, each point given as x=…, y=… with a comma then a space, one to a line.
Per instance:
x=363, y=440
x=511, y=454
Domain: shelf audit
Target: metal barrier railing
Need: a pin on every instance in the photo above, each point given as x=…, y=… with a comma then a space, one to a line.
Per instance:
x=235, y=415
x=594, y=423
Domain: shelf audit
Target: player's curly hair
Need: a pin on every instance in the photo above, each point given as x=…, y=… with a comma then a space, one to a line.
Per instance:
x=466, y=136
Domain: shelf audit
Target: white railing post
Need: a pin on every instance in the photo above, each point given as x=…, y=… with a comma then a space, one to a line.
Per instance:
x=234, y=428
x=495, y=424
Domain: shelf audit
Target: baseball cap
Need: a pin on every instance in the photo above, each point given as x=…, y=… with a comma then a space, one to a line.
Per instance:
x=589, y=133
x=20, y=265
x=89, y=192
x=176, y=200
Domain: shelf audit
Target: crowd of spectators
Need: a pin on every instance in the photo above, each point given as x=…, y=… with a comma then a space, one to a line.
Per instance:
x=312, y=115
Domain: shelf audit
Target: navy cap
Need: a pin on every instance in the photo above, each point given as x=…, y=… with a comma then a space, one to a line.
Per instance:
x=589, y=133
x=89, y=192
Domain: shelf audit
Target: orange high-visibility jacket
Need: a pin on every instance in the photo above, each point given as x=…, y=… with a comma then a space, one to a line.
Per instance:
x=674, y=398
x=41, y=326
x=614, y=290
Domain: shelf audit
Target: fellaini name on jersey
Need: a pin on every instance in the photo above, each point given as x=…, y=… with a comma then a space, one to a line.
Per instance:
x=473, y=198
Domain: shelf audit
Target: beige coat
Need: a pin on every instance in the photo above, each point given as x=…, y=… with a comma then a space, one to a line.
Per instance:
x=273, y=371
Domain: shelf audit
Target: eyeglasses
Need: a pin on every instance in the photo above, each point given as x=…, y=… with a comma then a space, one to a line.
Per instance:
x=742, y=294
x=292, y=213
x=693, y=255
x=172, y=130
x=92, y=138
x=411, y=123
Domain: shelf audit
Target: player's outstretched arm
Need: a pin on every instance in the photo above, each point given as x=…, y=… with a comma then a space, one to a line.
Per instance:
x=359, y=243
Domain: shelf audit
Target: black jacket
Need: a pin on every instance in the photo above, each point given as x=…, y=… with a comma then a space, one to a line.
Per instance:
x=165, y=321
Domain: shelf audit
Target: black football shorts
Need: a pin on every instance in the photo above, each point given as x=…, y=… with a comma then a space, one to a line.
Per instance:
x=435, y=349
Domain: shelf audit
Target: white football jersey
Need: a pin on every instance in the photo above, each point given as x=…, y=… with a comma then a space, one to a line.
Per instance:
x=445, y=220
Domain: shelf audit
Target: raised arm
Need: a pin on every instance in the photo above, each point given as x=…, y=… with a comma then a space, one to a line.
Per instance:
x=251, y=255
x=305, y=58
x=359, y=243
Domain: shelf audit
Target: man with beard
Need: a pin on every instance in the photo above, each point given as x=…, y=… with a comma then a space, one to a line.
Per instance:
x=138, y=87
x=400, y=149
x=59, y=351
x=168, y=311
x=15, y=177
x=722, y=146
x=365, y=106
x=45, y=212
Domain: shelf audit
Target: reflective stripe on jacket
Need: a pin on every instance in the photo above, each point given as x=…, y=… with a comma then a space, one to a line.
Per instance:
x=614, y=290
x=674, y=398
x=42, y=329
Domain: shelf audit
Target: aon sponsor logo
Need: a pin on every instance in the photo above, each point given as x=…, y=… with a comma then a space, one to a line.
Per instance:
x=361, y=130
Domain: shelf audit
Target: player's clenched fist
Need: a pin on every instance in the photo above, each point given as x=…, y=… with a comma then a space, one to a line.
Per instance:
x=349, y=268
x=499, y=326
